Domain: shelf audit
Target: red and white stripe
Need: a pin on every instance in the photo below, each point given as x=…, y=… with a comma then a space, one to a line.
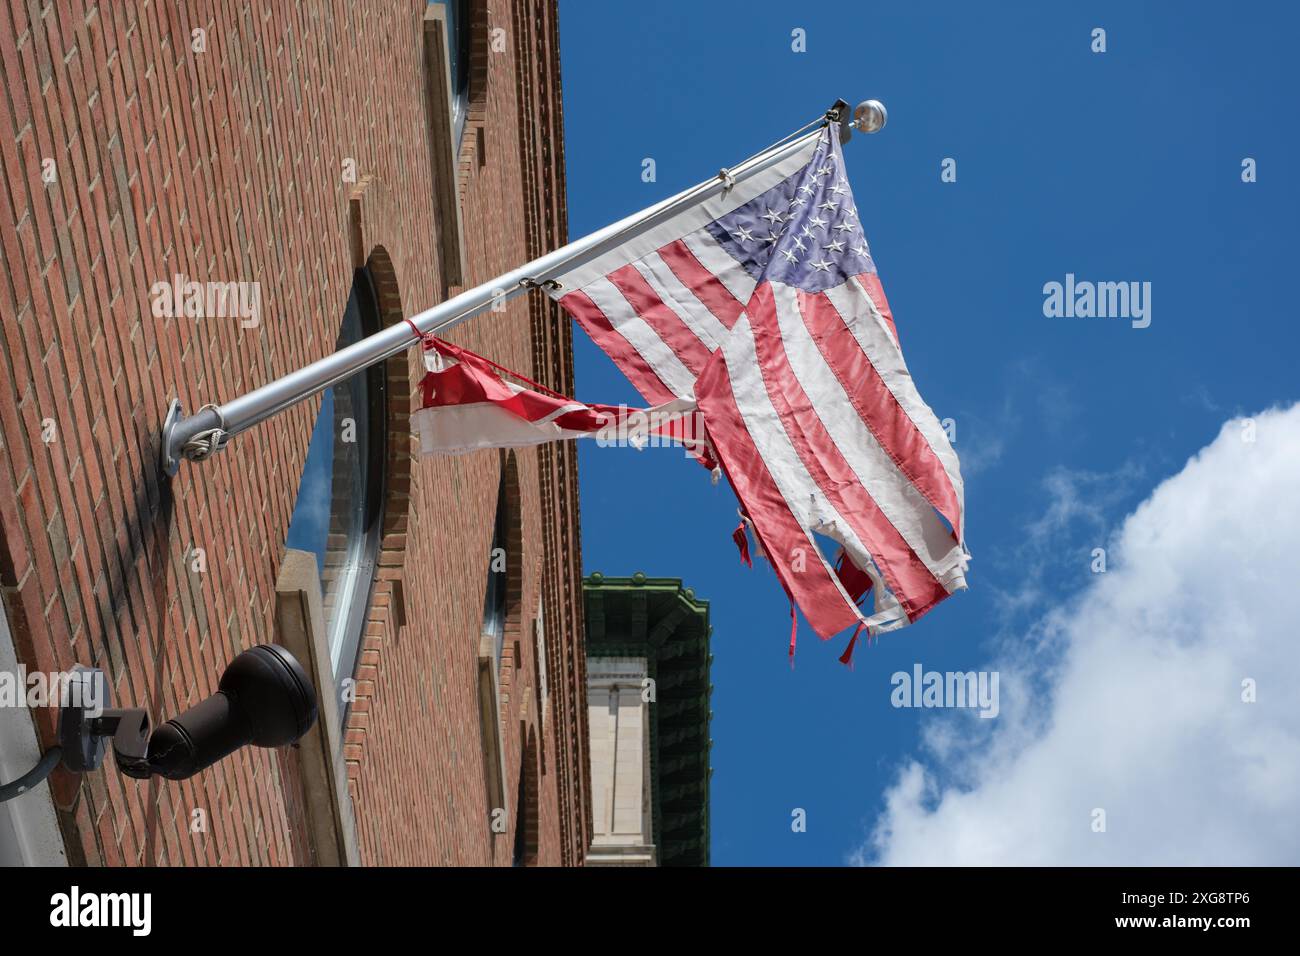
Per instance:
x=814, y=442
x=661, y=303
x=807, y=402
x=467, y=405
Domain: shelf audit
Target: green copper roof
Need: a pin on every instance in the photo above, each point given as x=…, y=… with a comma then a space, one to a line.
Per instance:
x=658, y=619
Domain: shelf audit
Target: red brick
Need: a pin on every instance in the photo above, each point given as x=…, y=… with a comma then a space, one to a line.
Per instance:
x=225, y=166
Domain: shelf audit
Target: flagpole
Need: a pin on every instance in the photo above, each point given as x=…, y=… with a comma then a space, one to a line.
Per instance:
x=196, y=437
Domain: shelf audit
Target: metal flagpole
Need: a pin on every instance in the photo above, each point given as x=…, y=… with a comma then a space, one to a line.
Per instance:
x=196, y=437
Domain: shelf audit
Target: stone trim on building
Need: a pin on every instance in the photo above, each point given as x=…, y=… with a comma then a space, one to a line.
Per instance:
x=648, y=671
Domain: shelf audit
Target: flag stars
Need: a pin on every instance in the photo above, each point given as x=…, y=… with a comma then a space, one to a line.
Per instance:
x=809, y=247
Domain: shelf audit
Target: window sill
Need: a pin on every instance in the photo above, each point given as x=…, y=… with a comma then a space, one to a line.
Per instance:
x=300, y=627
x=493, y=743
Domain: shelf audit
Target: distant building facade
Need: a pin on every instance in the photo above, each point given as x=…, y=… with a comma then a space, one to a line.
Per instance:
x=648, y=699
x=195, y=202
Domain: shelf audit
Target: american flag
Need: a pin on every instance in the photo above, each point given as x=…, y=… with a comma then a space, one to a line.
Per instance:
x=763, y=306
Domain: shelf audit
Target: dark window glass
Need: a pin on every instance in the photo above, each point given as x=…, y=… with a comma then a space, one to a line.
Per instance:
x=494, y=601
x=520, y=855
x=339, y=508
x=458, y=49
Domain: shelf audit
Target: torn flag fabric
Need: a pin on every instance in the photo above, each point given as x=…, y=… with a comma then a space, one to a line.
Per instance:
x=763, y=306
x=468, y=403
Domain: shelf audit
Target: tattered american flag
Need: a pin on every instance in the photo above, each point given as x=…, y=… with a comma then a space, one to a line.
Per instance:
x=764, y=306
x=760, y=312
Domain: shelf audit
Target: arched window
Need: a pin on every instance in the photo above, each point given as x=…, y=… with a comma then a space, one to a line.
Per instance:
x=525, y=848
x=494, y=598
x=339, y=510
x=500, y=614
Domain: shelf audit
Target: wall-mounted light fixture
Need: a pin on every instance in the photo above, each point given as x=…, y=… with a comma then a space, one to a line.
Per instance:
x=264, y=698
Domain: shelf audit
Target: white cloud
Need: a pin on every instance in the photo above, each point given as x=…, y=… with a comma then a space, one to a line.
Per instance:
x=1129, y=698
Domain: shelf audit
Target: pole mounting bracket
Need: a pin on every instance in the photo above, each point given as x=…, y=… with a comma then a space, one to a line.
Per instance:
x=171, y=464
x=200, y=446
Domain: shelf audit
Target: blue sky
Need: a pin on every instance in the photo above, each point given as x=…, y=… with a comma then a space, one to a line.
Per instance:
x=1117, y=166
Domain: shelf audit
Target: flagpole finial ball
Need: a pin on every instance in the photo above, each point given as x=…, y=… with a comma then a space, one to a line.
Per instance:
x=869, y=116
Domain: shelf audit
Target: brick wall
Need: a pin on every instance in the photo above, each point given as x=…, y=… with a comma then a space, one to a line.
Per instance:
x=227, y=165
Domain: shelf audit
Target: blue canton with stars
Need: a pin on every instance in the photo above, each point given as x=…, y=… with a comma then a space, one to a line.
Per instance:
x=804, y=231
